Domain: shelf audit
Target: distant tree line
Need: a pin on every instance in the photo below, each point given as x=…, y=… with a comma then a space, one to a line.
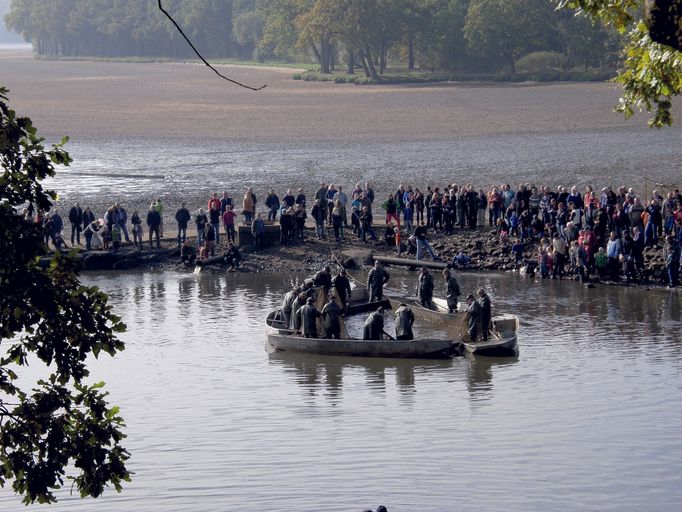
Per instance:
x=350, y=35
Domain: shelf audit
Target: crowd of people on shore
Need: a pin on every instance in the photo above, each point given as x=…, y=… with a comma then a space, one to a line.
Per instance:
x=586, y=233
x=299, y=313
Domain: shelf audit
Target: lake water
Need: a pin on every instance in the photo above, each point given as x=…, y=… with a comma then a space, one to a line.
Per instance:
x=587, y=417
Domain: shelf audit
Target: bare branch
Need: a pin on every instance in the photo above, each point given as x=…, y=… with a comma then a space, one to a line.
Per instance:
x=202, y=58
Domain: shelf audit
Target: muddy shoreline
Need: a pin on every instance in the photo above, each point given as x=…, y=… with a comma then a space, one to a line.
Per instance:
x=487, y=252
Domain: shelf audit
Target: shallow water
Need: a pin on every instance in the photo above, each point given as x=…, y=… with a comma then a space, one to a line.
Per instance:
x=136, y=172
x=587, y=417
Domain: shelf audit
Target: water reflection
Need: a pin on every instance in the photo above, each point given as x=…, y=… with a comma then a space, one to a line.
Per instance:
x=480, y=370
x=325, y=375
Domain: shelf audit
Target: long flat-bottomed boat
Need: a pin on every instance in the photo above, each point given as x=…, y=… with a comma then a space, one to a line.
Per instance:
x=281, y=338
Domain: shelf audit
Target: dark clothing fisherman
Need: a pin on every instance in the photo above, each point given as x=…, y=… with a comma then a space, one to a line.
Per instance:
x=323, y=279
x=486, y=313
x=425, y=288
x=299, y=301
x=374, y=325
x=331, y=319
x=287, y=300
x=452, y=290
x=309, y=315
x=473, y=317
x=404, y=318
x=376, y=279
x=342, y=286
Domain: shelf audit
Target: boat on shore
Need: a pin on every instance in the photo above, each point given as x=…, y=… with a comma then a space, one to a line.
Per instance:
x=281, y=338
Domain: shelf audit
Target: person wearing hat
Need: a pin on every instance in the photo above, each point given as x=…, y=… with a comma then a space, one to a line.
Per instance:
x=404, y=318
x=374, y=325
x=341, y=286
x=376, y=279
x=308, y=315
x=473, y=317
x=486, y=313
x=331, y=319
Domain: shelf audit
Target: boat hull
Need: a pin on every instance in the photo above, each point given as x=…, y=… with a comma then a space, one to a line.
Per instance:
x=429, y=349
x=494, y=347
x=284, y=340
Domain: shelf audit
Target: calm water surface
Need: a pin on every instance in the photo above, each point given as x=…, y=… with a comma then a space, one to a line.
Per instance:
x=586, y=418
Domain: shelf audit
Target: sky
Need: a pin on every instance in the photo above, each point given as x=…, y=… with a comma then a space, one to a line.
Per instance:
x=5, y=35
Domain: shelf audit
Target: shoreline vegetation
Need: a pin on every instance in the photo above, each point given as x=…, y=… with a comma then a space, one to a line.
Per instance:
x=483, y=246
x=406, y=76
x=310, y=72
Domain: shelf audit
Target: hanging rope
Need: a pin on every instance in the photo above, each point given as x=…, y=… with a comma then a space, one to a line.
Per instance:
x=204, y=60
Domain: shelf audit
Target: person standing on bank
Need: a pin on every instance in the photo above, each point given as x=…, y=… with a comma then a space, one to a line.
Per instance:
x=154, y=225
x=159, y=208
x=404, y=319
x=182, y=217
x=76, y=220
x=258, y=232
x=486, y=313
x=376, y=279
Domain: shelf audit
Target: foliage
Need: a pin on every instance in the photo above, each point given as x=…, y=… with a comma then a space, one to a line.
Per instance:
x=48, y=318
x=363, y=35
x=652, y=73
x=541, y=61
x=508, y=28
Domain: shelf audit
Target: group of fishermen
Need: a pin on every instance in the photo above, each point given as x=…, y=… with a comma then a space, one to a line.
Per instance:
x=300, y=313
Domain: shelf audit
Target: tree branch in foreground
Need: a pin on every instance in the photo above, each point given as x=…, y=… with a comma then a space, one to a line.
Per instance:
x=202, y=58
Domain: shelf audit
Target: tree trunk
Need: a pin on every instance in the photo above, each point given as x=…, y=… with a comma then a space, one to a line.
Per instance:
x=363, y=61
x=323, y=56
x=382, y=56
x=512, y=64
x=410, y=51
x=331, y=51
x=350, y=62
x=370, y=64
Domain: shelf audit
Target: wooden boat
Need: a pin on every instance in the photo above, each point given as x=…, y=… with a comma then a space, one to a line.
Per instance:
x=504, y=330
x=280, y=338
x=503, y=340
x=438, y=313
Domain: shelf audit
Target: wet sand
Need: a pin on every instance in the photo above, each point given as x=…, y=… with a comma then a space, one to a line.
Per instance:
x=89, y=99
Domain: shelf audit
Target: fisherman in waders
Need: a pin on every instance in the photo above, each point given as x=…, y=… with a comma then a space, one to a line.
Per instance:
x=473, y=317
x=451, y=290
x=331, y=319
x=404, y=318
x=309, y=315
x=342, y=286
x=425, y=288
x=486, y=313
x=376, y=279
x=374, y=325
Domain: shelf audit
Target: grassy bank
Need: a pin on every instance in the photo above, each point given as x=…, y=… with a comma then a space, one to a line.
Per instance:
x=419, y=78
x=307, y=67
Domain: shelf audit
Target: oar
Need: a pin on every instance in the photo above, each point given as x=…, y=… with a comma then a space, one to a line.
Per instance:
x=389, y=336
